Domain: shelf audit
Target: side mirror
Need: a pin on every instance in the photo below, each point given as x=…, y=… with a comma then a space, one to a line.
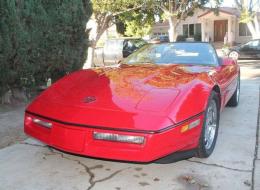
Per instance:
x=228, y=62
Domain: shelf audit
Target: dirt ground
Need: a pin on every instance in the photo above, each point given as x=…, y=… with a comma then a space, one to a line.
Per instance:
x=11, y=124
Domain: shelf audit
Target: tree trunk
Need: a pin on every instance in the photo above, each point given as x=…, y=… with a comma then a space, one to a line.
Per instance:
x=172, y=29
x=92, y=29
x=257, y=28
x=253, y=27
x=96, y=30
x=91, y=53
x=6, y=98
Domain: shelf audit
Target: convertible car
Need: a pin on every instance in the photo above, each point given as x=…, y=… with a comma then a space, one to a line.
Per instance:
x=164, y=99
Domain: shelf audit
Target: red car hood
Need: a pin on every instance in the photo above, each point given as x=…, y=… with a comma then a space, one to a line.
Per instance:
x=120, y=97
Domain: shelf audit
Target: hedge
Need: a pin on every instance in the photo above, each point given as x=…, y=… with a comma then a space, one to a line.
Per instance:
x=41, y=39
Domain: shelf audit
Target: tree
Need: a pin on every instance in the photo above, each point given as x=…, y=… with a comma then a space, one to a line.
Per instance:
x=103, y=16
x=139, y=23
x=120, y=27
x=177, y=10
x=40, y=39
x=249, y=15
x=105, y=13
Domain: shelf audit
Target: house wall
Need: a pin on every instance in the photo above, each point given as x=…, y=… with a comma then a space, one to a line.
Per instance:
x=189, y=20
x=160, y=28
x=207, y=26
x=208, y=29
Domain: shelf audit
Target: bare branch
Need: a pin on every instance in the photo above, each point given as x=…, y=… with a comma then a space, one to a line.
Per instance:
x=250, y=6
x=175, y=6
x=256, y=5
x=164, y=9
x=186, y=13
x=256, y=24
x=239, y=5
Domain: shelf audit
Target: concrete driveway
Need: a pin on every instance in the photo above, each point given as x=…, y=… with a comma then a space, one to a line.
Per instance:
x=30, y=165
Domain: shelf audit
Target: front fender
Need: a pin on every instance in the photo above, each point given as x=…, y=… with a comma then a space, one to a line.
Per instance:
x=192, y=100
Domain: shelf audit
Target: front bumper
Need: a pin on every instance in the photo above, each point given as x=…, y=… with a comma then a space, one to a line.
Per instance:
x=79, y=140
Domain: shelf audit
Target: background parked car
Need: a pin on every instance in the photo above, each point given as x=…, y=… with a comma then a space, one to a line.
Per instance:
x=250, y=49
x=159, y=39
x=117, y=49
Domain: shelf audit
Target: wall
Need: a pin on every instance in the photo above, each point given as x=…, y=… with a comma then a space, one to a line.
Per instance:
x=189, y=20
x=160, y=28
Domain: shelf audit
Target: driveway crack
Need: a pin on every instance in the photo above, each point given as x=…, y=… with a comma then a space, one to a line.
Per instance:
x=37, y=145
x=220, y=166
x=88, y=170
x=256, y=142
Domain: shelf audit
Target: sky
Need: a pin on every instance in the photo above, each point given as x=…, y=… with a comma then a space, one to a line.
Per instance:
x=226, y=3
x=231, y=3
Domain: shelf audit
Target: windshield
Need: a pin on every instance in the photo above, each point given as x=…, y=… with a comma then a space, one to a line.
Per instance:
x=175, y=53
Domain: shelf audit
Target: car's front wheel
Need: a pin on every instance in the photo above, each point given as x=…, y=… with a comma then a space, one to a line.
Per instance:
x=210, y=127
x=234, y=55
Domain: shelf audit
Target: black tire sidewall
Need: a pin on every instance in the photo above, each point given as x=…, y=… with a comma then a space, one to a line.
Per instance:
x=203, y=152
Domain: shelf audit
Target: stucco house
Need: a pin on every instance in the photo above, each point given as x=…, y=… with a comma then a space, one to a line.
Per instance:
x=210, y=27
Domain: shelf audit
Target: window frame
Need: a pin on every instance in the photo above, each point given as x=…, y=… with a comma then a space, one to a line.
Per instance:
x=195, y=32
x=186, y=33
x=247, y=31
x=215, y=56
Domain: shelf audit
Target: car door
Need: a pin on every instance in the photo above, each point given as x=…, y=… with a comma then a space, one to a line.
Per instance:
x=257, y=50
x=113, y=51
x=250, y=49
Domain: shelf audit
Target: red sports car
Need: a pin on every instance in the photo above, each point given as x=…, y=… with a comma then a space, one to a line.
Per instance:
x=163, y=99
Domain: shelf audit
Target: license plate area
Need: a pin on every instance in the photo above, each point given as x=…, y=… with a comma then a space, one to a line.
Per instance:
x=68, y=138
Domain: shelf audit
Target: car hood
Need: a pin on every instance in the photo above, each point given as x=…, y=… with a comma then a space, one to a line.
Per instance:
x=126, y=91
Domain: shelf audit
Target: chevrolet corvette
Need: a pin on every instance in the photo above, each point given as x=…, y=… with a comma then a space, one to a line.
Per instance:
x=162, y=100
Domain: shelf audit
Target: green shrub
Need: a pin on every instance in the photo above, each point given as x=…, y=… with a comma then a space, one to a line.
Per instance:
x=41, y=39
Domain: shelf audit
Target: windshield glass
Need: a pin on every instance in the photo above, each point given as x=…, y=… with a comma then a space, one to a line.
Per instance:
x=175, y=53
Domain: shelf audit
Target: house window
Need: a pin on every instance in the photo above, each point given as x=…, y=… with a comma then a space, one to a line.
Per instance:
x=190, y=30
x=198, y=28
x=185, y=29
x=243, y=30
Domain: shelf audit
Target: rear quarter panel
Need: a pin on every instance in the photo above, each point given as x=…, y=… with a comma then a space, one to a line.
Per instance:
x=226, y=77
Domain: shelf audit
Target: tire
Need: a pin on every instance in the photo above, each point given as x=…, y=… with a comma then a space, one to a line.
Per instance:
x=234, y=100
x=209, y=132
x=234, y=55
